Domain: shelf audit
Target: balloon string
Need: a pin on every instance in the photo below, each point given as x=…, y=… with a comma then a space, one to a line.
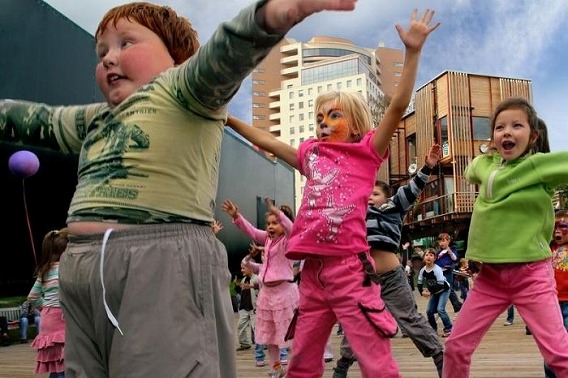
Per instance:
x=28, y=221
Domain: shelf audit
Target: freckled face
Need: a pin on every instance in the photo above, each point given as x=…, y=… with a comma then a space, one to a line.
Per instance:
x=130, y=56
x=332, y=125
x=512, y=133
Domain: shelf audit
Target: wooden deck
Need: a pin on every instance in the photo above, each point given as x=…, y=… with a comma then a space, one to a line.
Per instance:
x=504, y=352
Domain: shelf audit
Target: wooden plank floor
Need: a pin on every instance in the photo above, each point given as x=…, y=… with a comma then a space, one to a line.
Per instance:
x=504, y=352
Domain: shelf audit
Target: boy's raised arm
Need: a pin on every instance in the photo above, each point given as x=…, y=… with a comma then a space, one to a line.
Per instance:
x=413, y=39
x=278, y=16
x=264, y=140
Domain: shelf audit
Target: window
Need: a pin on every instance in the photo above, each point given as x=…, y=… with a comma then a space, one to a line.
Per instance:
x=443, y=136
x=301, y=93
x=329, y=87
x=481, y=128
x=339, y=86
x=301, y=105
x=292, y=131
x=301, y=117
x=349, y=83
x=411, y=147
x=293, y=142
x=292, y=107
x=292, y=118
x=259, y=82
x=359, y=82
x=290, y=95
x=311, y=127
x=302, y=129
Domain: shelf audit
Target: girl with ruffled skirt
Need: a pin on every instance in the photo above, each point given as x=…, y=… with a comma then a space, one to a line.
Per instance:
x=50, y=341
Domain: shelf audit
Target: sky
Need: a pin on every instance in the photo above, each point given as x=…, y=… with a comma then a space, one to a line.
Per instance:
x=524, y=39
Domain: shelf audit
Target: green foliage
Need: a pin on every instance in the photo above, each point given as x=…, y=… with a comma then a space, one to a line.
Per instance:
x=563, y=195
x=11, y=301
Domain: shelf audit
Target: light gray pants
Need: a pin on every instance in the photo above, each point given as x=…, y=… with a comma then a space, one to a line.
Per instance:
x=167, y=286
x=398, y=297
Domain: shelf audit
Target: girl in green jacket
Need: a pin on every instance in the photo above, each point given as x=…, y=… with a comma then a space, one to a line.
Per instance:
x=509, y=235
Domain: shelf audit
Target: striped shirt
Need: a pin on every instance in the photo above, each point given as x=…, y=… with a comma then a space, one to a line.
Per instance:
x=46, y=291
x=384, y=224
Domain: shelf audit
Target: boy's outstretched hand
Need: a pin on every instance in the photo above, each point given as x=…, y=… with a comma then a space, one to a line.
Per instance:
x=418, y=31
x=434, y=156
x=280, y=15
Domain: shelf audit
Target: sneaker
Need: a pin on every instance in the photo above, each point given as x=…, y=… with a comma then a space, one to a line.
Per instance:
x=284, y=362
x=507, y=323
x=328, y=359
x=243, y=347
x=260, y=363
x=446, y=333
x=280, y=373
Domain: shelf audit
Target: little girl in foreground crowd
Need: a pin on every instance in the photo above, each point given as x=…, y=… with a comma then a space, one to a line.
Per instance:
x=510, y=231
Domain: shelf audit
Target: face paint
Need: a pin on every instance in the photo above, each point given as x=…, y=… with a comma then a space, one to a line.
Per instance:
x=332, y=126
x=561, y=231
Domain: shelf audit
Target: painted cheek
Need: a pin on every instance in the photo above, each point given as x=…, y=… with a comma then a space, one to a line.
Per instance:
x=339, y=131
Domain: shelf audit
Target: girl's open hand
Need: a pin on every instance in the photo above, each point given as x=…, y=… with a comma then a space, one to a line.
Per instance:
x=418, y=31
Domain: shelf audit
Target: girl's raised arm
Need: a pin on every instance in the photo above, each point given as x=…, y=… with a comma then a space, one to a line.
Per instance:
x=264, y=140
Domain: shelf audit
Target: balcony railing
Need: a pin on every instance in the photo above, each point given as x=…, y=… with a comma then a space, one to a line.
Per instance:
x=458, y=203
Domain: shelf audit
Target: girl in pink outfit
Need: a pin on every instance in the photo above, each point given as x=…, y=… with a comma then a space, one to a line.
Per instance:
x=330, y=232
x=278, y=295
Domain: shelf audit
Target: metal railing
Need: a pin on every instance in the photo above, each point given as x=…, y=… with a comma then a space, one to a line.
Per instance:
x=453, y=203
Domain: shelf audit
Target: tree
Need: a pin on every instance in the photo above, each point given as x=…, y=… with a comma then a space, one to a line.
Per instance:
x=378, y=107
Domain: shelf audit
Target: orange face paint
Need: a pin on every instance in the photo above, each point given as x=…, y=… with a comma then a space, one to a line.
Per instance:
x=332, y=124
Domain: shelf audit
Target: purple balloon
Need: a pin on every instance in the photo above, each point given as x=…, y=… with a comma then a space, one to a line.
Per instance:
x=23, y=164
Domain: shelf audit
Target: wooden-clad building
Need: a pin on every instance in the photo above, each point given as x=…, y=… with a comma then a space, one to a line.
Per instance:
x=454, y=110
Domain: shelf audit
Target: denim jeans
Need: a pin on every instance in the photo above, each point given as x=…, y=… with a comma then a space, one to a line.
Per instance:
x=259, y=353
x=564, y=308
x=24, y=324
x=511, y=314
x=437, y=304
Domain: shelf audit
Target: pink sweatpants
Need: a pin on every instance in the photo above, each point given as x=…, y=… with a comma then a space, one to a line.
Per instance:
x=331, y=289
x=532, y=289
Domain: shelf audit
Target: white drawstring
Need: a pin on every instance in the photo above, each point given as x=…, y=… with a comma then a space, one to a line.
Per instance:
x=110, y=316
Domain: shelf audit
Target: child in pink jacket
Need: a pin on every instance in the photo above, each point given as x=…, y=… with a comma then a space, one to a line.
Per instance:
x=278, y=295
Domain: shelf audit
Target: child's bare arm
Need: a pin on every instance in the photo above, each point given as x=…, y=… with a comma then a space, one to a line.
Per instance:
x=278, y=16
x=413, y=39
x=264, y=140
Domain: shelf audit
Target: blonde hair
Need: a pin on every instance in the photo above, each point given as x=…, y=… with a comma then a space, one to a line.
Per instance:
x=354, y=107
